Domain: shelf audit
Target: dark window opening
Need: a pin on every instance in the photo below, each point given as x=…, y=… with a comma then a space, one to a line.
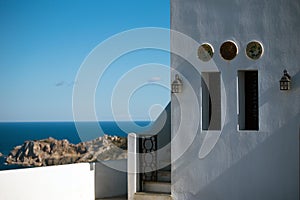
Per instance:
x=248, y=100
x=211, y=101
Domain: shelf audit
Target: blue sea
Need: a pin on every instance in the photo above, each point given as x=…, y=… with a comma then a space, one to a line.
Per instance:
x=15, y=133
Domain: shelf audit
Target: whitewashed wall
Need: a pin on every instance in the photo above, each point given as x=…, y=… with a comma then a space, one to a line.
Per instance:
x=111, y=178
x=243, y=164
x=75, y=181
x=84, y=181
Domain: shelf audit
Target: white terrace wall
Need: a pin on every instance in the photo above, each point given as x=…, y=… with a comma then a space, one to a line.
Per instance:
x=246, y=165
x=83, y=181
x=111, y=178
x=75, y=181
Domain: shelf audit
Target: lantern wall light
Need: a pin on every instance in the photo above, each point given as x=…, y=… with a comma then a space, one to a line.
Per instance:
x=285, y=81
x=177, y=85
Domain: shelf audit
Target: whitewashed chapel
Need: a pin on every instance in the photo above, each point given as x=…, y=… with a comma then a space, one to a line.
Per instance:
x=232, y=130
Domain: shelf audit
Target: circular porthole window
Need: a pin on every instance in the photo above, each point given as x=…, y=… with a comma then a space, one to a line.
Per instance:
x=205, y=52
x=254, y=50
x=228, y=50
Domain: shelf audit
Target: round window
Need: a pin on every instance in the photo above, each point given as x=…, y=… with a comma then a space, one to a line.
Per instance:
x=205, y=52
x=228, y=50
x=254, y=50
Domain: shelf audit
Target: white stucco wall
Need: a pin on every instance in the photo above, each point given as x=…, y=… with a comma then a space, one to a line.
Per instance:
x=111, y=178
x=84, y=181
x=244, y=165
x=75, y=181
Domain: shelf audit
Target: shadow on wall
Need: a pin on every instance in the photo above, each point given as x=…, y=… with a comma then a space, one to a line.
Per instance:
x=276, y=170
x=110, y=182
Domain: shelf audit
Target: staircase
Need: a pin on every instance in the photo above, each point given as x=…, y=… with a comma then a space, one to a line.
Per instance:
x=156, y=190
x=147, y=182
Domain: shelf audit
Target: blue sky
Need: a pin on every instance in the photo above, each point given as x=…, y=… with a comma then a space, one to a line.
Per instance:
x=44, y=43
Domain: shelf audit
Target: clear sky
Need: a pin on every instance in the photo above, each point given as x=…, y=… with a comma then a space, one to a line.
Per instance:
x=43, y=44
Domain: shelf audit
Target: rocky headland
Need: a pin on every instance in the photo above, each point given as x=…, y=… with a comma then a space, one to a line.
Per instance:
x=55, y=152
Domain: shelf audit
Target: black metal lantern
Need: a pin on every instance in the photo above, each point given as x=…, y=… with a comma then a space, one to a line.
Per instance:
x=285, y=81
x=177, y=85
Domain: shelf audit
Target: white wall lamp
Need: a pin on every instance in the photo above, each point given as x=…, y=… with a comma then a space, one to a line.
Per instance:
x=285, y=81
x=177, y=85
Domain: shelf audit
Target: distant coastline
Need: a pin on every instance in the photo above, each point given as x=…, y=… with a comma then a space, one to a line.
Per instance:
x=16, y=133
x=50, y=151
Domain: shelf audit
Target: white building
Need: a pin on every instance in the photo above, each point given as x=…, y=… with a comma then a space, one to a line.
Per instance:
x=234, y=132
x=231, y=132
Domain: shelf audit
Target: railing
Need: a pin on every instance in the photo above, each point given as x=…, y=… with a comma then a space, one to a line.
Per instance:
x=142, y=160
x=148, y=158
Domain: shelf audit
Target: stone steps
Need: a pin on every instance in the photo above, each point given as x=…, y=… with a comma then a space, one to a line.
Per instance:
x=157, y=187
x=114, y=198
x=151, y=196
x=164, y=176
x=156, y=190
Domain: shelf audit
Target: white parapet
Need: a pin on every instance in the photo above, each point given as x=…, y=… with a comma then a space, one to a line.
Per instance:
x=74, y=181
x=133, y=166
x=83, y=181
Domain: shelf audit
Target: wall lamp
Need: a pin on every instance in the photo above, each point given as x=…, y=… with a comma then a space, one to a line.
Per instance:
x=177, y=85
x=285, y=81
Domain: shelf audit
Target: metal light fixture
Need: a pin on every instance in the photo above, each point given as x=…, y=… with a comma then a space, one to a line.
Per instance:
x=177, y=85
x=285, y=81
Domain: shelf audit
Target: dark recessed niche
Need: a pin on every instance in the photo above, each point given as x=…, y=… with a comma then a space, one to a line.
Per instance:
x=205, y=52
x=211, y=100
x=228, y=50
x=254, y=50
x=248, y=99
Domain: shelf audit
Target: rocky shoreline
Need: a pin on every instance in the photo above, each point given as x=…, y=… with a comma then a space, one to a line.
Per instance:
x=50, y=151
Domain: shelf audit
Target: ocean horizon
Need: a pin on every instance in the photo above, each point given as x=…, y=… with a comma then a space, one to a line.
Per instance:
x=16, y=133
